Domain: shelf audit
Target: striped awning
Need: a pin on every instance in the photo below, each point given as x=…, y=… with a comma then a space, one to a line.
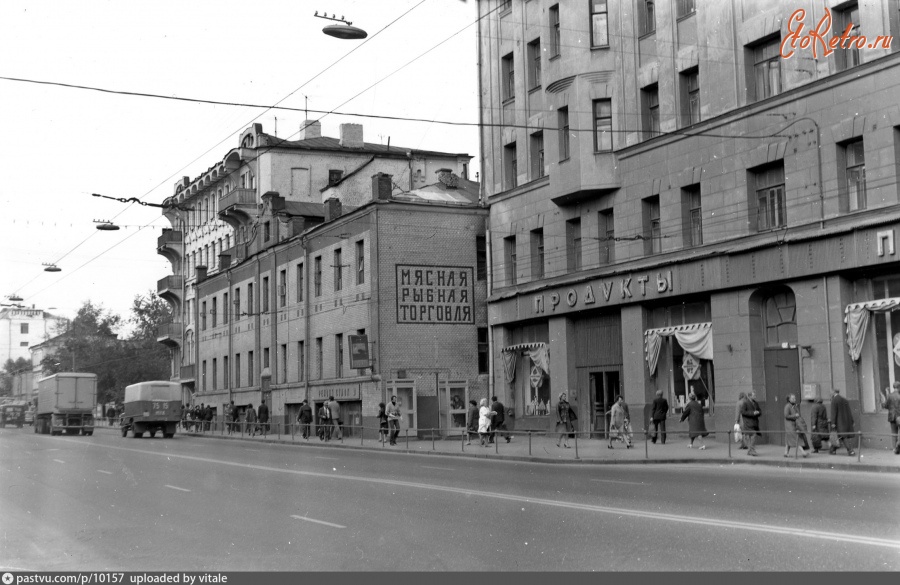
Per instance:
x=667, y=331
x=521, y=346
x=856, y=316
x=694, y=338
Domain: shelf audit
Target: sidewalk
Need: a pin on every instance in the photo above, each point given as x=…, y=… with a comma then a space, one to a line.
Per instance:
x=543, y=449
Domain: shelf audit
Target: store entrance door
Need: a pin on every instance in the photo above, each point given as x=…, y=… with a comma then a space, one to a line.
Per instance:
x=782, y=378
x=605, y=386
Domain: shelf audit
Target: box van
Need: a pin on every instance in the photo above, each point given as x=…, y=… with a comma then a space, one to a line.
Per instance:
x=152, y=407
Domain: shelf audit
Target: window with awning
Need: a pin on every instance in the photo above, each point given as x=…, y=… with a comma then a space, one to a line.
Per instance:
x=538, y=395
x=691, y=360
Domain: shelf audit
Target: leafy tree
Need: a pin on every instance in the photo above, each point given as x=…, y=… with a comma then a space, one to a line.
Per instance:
x=10, y=369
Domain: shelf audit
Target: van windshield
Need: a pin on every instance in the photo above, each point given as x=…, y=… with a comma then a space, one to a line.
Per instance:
x=159, y=392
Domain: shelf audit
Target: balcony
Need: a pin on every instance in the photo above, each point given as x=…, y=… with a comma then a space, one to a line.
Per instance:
x=169, y=334
x=238, y=207
x=170, y=245
x=169, y=289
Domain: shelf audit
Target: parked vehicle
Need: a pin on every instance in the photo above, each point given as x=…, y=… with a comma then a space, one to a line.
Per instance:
x=151, y=407
x=12, y=413
x=66, y=403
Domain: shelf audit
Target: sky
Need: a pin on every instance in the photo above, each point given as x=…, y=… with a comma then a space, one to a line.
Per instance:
x=60, y=145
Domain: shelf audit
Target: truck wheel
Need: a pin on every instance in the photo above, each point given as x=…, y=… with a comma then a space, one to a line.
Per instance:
x=168, y=435
x=137, y=435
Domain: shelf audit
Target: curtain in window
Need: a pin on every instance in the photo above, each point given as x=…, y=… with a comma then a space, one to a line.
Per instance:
x=857, y=320
x=537, y=351
x=695, y=339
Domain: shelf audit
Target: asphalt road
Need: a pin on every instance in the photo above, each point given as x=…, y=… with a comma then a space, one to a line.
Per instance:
x=108, y=503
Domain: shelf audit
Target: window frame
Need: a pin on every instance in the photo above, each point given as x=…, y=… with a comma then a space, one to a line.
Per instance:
x=555, y=37
x=650, y=111
x=606, y=234
x=562, y=117
x=537, y=253
x=766, y=59
x=538, y=160
x=360, y=262
x=646, y=17
x=602, y=124
x=534, y=64
x=767, y=186
x=599, y=17
x=574, y=260
x=508, y=79
x=510, y=259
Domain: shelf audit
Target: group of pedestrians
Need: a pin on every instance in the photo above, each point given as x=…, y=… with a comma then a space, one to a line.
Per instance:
x=488, y=422
x=256, y=420
x=331, y=424
x=198, y=418
x=389, y=421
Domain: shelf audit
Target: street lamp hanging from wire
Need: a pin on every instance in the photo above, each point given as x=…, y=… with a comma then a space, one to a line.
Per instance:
x=346, y=32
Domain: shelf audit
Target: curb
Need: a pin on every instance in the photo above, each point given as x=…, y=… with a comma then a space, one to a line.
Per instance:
x=800, y=464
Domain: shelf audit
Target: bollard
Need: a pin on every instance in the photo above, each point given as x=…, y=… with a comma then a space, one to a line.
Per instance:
x=646, y=445
x=432, y=439
x=362, y=434
x=463, y=441
x=407, y=439
x=858, y=446
x=576, y=447
x=729, y=445
x=529, y=443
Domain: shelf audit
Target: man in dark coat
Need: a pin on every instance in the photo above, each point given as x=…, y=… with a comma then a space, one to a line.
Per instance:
x=209, y=416
x=498, y=421
x=472, y=422
x=305, y=418
x=659, y=410
x=892, y=405
x=818, y=424
x=262, y=415
x=235, y=418
x=750, y=415
x=841, y=422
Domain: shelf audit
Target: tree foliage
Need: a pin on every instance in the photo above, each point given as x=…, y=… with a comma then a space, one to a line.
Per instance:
x=90, y=343
x=10, y=369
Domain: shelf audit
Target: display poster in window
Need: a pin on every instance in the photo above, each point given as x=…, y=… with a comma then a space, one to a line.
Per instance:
x=359, y=352
x=442, y=295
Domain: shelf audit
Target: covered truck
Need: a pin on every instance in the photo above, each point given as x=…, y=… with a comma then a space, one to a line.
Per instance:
x=152, y=407
x=66, y=403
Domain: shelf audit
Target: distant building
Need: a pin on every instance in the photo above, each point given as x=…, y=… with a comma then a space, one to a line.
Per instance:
x=21, y=328
x=335, y=238
x=676, y=206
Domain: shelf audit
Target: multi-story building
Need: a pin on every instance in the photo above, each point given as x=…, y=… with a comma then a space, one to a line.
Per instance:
x=20, y=328
x=676, y=205
x=332, y=239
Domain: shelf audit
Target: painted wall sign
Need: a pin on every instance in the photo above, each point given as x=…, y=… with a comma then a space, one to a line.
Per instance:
x=435, y=294
x=587, y=295
x=359, y=351
x=340, y=392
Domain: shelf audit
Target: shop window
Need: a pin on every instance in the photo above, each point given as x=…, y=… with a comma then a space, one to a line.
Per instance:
x=405, y=391
x=454, y=402
x=878, y=366
x=702, y=384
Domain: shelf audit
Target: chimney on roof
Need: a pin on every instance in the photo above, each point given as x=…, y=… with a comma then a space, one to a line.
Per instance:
x=382, y=186
x=274, y=200
x=224, y=261
x=352, y=135
x=447, y=178
x=201, y=274
x=332, y=209
x=310, y=129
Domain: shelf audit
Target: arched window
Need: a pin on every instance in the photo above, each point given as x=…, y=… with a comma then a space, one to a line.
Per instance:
x=780, y=319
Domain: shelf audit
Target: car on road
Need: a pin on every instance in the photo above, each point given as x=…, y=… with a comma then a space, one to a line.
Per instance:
x=12, y=413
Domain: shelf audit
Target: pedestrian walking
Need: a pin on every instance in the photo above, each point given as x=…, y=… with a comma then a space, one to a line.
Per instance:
x=818, y=424
x=693, y=412
x=892, y=405
x=739, y=420
x=498, y=421
x=393, y=414
x=263, y=416
x=235, y=418
x=563, y=423
x=336, y=420
x=111, y=416
x=618, y=423
x=841, y=422
x=324, y=427
x=209, y=416
x=382, y=422
x=471, y=422
x=659, y=411
x=750, y=415
x=251, y=420
x=305, y=418
x=484, y=422
x=794, y=428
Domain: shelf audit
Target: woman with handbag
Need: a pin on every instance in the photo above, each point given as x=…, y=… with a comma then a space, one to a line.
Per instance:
x=563, y=422
x=794, y=428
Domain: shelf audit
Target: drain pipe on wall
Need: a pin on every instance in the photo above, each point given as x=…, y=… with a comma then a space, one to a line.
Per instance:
x=490, y=328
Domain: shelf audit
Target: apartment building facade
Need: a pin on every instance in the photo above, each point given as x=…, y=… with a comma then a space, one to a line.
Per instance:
x=326, y=249
x=675, y=206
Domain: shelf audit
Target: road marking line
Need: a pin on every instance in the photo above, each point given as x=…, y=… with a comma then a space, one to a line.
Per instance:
x=617, y=481
x=59, y=460
x=177, y=488
x=441, y=468
x=318, y=521
x=704, y=521
x=328, y=458
x=106, y=472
